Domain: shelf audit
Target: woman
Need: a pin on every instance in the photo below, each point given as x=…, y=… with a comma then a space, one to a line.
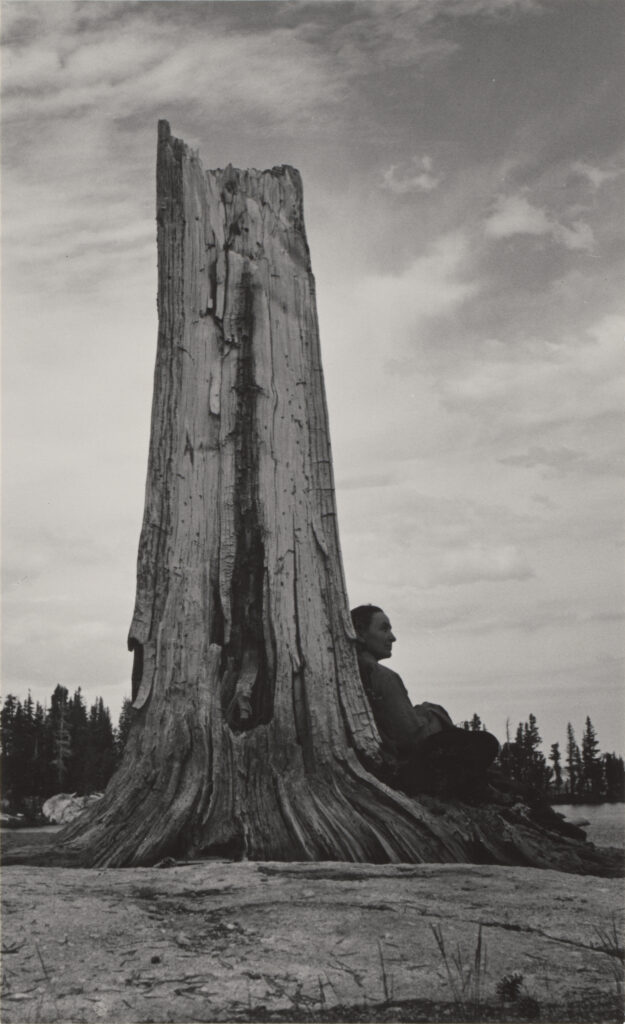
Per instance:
x=423, y=749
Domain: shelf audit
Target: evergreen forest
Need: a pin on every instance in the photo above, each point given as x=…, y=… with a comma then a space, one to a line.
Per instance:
x=577, y=774
x=66, y=747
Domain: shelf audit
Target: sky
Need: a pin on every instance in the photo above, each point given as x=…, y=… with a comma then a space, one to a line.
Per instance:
x=463, y=187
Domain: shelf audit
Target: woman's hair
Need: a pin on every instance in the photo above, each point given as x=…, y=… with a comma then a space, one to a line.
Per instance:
x=362, y=615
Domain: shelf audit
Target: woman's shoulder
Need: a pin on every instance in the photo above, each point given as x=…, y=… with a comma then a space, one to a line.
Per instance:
x=378, y=676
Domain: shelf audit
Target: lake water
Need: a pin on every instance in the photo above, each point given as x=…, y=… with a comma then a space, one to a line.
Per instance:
x=606, y=821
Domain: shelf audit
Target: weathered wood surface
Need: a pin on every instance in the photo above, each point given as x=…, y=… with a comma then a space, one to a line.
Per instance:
x=252, y=733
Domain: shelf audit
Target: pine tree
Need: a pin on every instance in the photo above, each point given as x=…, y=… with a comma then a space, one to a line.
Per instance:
x=58, y=723
x=39, y=754
x=531, y=736
x=556, y=758
x=614, y=777
x=100, y=759
x=591, y=764
x=474, y=724
x=573, y=762
x=20, y=754
x=26, y=750
x=79, y=738
x=123, y=727
x=7, y=739
x=523, y=761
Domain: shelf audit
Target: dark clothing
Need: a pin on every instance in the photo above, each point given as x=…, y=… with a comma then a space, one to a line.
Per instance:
x=402, y=727
x=423, y=750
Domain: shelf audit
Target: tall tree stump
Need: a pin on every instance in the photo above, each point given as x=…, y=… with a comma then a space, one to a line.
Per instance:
x=252, y=734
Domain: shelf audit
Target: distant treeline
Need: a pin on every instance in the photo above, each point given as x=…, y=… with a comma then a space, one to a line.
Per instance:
x=577, y=775
x=66, y=747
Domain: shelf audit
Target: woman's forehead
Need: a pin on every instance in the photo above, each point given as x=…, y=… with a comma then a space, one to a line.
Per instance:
x=380, y=619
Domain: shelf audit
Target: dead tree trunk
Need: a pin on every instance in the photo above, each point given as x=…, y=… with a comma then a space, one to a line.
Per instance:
x=252, y=733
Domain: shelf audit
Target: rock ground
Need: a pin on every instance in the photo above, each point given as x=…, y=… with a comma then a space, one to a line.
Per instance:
x=223, y=941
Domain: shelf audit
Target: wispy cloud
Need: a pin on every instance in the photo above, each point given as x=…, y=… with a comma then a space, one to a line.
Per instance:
x=563, y=460
x=570, y=383
x=434, y=283
x=132, y=64
x=492, y=8
x=392, y=35
x=515, y=215
x=414, y=177
x=594, y=174
x=484, y=562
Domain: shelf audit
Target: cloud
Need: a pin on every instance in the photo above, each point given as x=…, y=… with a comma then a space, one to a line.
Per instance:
x=139, y=62
x=579, y=236
x=400, y=32
x=597, y=176
x=392, y=35
x=67, y=602
x=431, y=540
x=371, y=335
x=575, y=382
x=476, y=562
x=415, y=177
x=431, y=285
x=491, y=8
x=564, y=460
x=515, y=215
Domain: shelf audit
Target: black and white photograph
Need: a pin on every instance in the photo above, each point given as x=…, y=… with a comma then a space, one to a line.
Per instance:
x=313, y=395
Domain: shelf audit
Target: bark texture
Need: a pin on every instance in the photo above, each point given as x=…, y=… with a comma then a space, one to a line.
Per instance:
x=252, y=734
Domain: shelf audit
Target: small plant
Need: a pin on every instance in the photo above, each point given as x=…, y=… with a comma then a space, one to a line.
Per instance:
x=387, y=983
x=509, y=988
x=466, y=979
x=610, y=943
x=322, y=995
